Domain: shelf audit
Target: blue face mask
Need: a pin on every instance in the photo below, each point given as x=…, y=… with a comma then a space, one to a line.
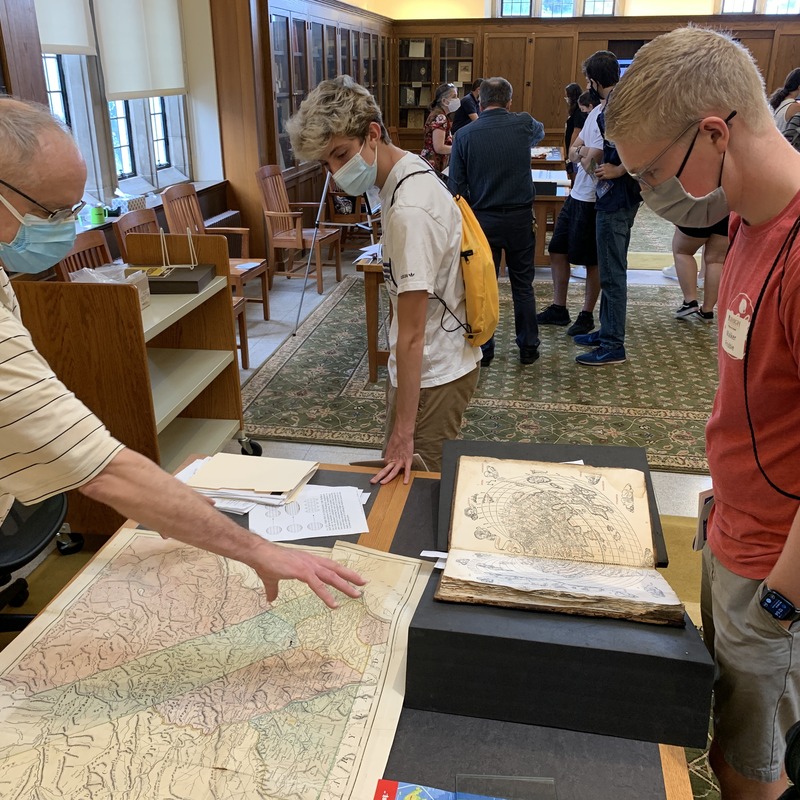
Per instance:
x=356, y=176
x=39, y=243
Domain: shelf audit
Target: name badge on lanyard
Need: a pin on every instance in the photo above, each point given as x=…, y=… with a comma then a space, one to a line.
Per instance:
x=736, y=327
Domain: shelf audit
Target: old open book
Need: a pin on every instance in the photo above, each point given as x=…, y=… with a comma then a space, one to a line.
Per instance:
x=555, y=537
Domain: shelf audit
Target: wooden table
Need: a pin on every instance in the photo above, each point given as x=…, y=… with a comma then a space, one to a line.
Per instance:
x=546, y=208
x=373, y=278
x=553, y=160
x=428, y=746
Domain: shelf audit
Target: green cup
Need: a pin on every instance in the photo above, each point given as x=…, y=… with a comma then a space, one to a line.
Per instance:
x=97, y=215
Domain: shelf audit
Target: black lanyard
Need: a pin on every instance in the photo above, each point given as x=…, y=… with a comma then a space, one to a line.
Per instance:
x=784, y=251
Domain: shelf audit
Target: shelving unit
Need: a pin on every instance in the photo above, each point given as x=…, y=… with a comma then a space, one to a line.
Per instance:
x=164, y=380
x=424, y=62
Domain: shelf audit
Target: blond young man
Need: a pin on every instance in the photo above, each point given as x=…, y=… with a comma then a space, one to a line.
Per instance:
x=49, y=441
x=433, y=370
x=691, y=121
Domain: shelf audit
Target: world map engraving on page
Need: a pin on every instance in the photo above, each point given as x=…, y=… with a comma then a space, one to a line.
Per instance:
x=559, y=511
x=162, y=672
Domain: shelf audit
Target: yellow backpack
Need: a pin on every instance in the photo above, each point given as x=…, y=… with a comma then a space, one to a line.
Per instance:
x=477, y=269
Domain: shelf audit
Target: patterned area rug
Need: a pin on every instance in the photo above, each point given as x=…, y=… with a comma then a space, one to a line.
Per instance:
x=315, y=387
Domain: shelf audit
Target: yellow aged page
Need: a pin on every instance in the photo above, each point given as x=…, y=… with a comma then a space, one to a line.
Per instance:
x=563, y=511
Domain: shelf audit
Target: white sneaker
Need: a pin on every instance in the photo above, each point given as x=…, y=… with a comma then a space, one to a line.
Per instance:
x=578, y=272
x=669, y=272
x=701, y=282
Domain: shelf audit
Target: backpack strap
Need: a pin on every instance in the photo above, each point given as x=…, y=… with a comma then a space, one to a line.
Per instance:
x=410, y=175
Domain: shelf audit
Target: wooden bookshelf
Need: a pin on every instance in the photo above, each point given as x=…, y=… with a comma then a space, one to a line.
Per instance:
x=164, y=380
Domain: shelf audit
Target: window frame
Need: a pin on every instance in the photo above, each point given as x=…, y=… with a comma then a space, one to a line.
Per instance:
x=129, y=145
x=579, y=10
x=91, y=127
x=759, y=7
x=62, y=86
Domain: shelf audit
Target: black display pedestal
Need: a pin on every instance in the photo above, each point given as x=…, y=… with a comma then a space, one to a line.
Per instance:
x=625, y=679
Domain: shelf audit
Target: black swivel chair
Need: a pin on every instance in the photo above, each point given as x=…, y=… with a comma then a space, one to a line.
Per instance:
x=24, y=533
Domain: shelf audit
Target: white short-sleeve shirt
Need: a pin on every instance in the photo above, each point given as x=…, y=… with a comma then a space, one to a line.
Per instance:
x=583, y=189
x=422, y=251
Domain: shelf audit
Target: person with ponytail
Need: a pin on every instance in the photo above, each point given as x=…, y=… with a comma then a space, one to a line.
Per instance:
x=575, y=119
x=438, y=141
x=785, y=101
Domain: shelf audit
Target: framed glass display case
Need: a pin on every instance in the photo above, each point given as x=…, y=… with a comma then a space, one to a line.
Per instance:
x=415, y=80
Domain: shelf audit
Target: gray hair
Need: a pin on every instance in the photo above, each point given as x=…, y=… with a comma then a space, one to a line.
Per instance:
x=338, y=107
x=495, y=92
x=22, y=126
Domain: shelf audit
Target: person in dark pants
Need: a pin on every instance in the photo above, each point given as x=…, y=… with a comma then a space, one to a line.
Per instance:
x=617, y=200
x=490, y=165
x=469, y=110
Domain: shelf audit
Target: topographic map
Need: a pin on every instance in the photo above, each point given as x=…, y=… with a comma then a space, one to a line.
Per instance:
x=162, y=672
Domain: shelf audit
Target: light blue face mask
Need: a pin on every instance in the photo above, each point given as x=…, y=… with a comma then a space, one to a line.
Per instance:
x=39, y=243
x=356, y=176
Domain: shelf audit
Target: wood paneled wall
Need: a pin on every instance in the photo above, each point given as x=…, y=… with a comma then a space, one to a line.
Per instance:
x=558, y=48
x=21, y=51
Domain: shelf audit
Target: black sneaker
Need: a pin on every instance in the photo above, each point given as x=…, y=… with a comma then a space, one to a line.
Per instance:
x=486, y=360
x=528, y=356
x=705, y=316
x=554, y=315
x=687, y=309
x=583, y=324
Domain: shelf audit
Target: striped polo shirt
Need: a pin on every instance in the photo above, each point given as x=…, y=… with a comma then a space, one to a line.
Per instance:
x=49, y=440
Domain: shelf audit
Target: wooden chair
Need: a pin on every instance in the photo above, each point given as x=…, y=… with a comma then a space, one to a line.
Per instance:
x=285, y=229
x=140, y=221
x=353, y=215
x=182, y=210
x=90, y=250
x=240, y=314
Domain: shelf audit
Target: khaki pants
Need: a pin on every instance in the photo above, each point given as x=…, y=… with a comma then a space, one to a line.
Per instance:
x=757, y=680
x=441, y=409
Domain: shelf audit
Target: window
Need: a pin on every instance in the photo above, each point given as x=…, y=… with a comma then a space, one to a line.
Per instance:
x=158, y=125
x=598, y=7
x=121, y=137
x=138, y=146
x=56, y=92
x=738, y=6
x=559, y=8
x=782, y=7
x=515, y=8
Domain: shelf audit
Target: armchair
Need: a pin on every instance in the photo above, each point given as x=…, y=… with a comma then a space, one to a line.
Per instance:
x=90, y=250
x=182, y=210
x=285, y=231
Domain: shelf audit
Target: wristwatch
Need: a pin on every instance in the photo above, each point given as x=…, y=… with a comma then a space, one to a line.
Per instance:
x=776, y=604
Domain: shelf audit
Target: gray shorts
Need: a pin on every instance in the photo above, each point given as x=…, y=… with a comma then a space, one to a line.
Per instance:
x=757, y=677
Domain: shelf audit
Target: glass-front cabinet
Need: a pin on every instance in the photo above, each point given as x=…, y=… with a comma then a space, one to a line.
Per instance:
x=423, y=63
x=330, y=52
x=299, y=63
x=281, y=75
x=415, y=80
x=317, y=53
x=456, y=62
x=307, y=50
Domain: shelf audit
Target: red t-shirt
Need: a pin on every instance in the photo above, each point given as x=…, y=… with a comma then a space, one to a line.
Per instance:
x=750, y=520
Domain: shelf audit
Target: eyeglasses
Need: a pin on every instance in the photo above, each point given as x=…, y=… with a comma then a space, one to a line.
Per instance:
x=637, y=176
x=59, y=215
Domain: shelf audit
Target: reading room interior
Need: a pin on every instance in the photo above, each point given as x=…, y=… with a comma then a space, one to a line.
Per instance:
x=307, y=489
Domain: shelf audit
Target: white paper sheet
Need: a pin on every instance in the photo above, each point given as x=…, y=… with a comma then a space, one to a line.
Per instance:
x=317, y=511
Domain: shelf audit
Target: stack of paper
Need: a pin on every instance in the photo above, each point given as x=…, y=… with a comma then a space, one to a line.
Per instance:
x=266, y=481
x=311, y=512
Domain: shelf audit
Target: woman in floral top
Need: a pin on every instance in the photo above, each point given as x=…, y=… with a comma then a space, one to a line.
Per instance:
x=438, y=139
